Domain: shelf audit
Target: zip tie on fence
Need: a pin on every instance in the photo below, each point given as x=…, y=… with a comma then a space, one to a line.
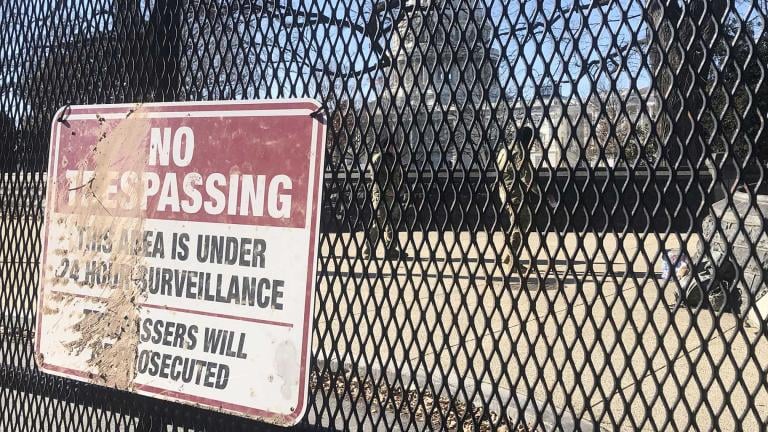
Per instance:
x=65, y=113
x=319, y=112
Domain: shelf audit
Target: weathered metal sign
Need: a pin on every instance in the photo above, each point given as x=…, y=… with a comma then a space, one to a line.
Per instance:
x=179, y=252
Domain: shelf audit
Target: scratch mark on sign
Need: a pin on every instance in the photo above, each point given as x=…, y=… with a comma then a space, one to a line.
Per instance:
x=286, y=369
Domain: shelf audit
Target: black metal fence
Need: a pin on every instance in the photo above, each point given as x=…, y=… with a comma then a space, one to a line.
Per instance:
x=649, y=147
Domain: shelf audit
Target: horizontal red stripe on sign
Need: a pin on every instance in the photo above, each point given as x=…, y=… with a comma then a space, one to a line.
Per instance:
x=183, y=310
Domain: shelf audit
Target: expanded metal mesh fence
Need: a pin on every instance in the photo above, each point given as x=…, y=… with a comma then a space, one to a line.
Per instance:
x=537, y=215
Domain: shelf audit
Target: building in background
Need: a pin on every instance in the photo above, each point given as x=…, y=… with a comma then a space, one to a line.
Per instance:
x=440, y=104
x=441, y=92
x=605, y=129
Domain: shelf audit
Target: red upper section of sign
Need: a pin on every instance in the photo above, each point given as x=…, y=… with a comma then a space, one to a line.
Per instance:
x=256, y=146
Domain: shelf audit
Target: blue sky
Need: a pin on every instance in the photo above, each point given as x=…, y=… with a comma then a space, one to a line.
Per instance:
x=549, y=56
x=554, y=54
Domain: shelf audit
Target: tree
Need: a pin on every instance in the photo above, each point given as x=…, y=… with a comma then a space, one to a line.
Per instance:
x=611, y=125
x=137, y=59
x=682, y=62
x=710, y=68
x=740, y=99
x=345, y=136
x=443, y=81
x=621, y=129
x=9, y=139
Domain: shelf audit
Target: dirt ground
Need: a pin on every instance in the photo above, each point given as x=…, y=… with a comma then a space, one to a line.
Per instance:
x=590, y=334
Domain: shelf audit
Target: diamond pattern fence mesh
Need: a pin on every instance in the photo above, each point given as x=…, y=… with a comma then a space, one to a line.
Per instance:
x=537, y=215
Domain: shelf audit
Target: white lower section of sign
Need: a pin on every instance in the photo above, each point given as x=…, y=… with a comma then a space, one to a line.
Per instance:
x=226, y=355
x=219, y=321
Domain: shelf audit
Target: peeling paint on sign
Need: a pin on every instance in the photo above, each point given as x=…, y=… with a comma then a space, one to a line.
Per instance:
x=165, y=268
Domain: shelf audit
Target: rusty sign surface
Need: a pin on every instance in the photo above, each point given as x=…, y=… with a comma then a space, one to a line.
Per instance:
x=179, y=252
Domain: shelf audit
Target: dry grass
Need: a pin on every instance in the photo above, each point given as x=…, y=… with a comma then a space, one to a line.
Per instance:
x=442, y=413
